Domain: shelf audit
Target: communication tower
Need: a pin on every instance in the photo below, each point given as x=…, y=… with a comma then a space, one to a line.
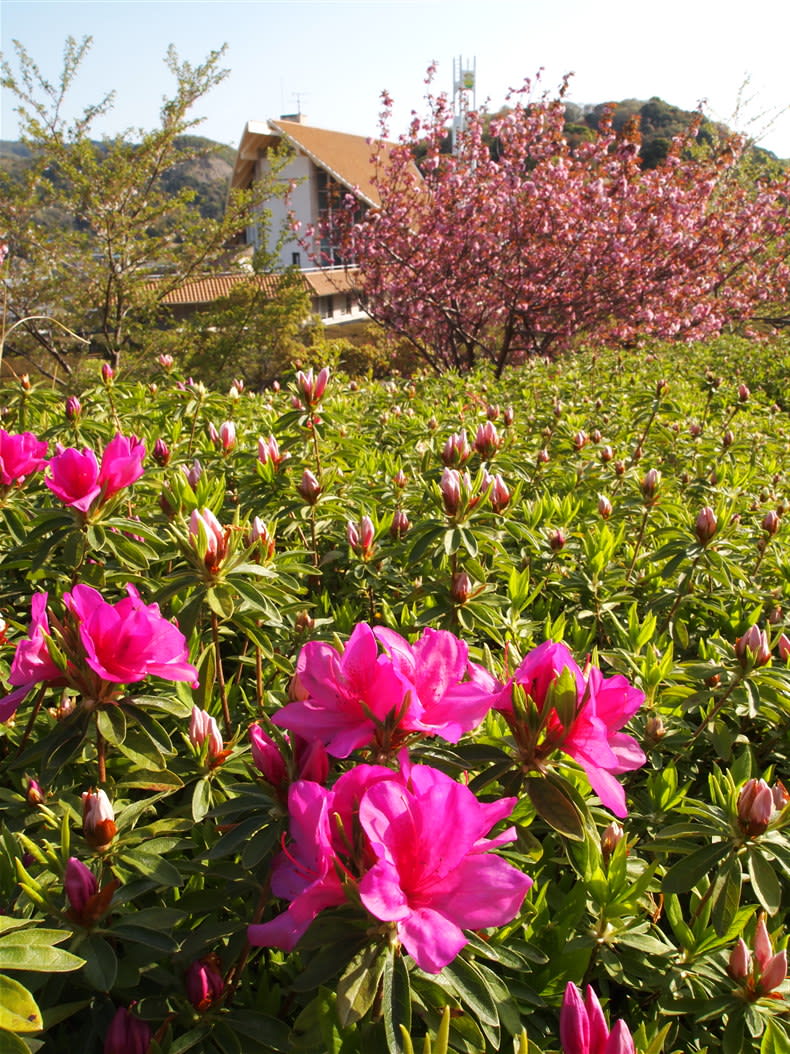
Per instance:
x=464, y=95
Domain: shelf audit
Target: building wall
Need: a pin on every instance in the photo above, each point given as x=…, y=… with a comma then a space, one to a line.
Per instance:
x=302, y=203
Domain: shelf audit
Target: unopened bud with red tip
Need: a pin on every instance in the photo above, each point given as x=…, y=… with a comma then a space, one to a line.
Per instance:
x=650, y=484
x=492, y=412
x=98, y=820
x=705, y=525
x=604, y=507
x=261, y=537
x=543, y=457
x=743, y=393
x=611, y=838
x=727, y=439
x=508, y=416
x=166, y=362
x=783, y=644
x=771, y=522
x=755, y=807
x=557, y=539
x=400, y=524
x=127, y=1034
x=400, y=479
x=456, y=450
x=34, y=794
x=107, y=373
x=24, y=382
x=204, y=735
x=269, y=452
x=360, y=536
x=752, y=649
x=461, y=587
x=309, y=487
x=204, y=983
x=227, y=436
x=662, y=387
x=579, y=440
x=312, y=388
x=606, y=453
x=450, y=487
x=487, y=441
x=499, y=495
x=161, y=453
x=73, y=408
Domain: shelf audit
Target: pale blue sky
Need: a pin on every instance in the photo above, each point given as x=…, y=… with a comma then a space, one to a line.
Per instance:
x=339, y=55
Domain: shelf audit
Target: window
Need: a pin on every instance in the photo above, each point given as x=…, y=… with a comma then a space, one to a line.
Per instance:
x=296, y=259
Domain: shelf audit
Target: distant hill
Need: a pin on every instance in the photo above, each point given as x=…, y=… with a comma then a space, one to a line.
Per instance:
x=208, y=174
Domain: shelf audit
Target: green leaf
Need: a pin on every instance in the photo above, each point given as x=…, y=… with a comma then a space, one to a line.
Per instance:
x=396, y=1001
x=18, y=1009
x=359, y=984
x=11, y=1044
x=101, y=964
x=111, y=722
x=16, y=953
x=764, y=882
x=775, y=1040
x=469, y=985
x=685, y=874
x=201, y=799
x=555, y=807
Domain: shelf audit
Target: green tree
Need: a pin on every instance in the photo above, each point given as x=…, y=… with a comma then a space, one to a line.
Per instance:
x=89, y=223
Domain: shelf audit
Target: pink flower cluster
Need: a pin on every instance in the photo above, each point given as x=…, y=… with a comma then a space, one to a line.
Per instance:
x=381, y=689
x=20, y=456
x=104, y=645
x=410, y=845
x=590, y=733
x=79, y=481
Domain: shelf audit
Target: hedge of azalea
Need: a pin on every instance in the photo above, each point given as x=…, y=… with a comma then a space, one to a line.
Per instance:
x=434, y=713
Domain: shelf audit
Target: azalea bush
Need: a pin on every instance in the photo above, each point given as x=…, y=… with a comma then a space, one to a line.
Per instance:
x=423, y=714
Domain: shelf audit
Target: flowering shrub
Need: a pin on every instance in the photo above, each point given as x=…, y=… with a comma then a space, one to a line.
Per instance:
x=365, y=732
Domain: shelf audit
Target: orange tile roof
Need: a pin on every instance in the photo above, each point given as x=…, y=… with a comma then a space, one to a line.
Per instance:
x=208, y=288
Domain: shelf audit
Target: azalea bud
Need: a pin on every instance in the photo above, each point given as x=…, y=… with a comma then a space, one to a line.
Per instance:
x=193, y=474
x=34, y=795
x=107, y=373
x=203, y=729
x=755, y=807
x=303, y=623
x=662, y=387
x=508, y=416
x=275, y=386
x=309, y=487
x=400, y=524
x=557, y=539
x=620, y=1040
x=499, y=495
x=604, y=507
x=763, y=949
x=161, y=453
x=204, y=983
x=461, y=587
x=695, y=429
x=650, y=484
x=269, y=452
x=73, y=408
x=310, y=388
x=487, y=441
x=267, y=757
x=80, y=885
x=619, y=468
x=773, y=973
x=743, y=393
x=543, y=456
x=237, y=385
x=213, y=434
x=739, y=965
x=611, y=838
x=771, y=522
x=579, y=440
x=752, y=648
x=784, y=647
x=574, y=1024
x=637, y=454
x=595, y=435
x=208, y=538
x=227, y=436
x=98, y=819
x=127, y=1034
x=606, y=453
x=261, y=536
x=166, y=362
x=727, y=439
x=24, y=382
x=456, y=450
x=450, y=487
x=705, y=525
x=400, y=479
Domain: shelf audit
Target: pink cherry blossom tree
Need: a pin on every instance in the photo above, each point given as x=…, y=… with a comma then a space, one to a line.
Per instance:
x=525, y=248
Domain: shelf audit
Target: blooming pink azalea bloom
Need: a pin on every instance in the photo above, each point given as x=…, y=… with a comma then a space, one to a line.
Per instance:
x=346, y=696
x=20, y=455
x=130, y=640
x=436, y=666
x=306, y=874
x=121, y=464
x=434, y=876
x=413, y=842
x=593, y=738
x=32, y=663
x=74, y=477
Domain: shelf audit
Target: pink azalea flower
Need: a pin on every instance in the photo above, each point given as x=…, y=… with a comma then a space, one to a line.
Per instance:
x=121, y=464
x=434, y=876
x=74, y=477
x=20, y=456
x=413, y=842
x=347, y=696
x=593, y=737
x=436, y=666
x=32, y=663
x=130, y=640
